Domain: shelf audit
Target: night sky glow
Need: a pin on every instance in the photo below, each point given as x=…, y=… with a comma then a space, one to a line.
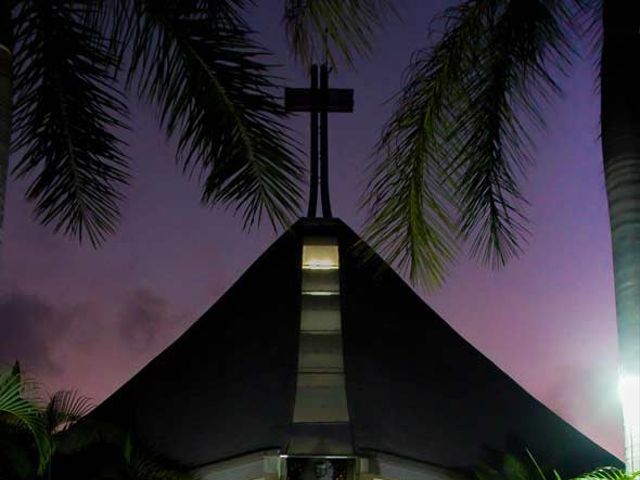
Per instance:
x=87, y=320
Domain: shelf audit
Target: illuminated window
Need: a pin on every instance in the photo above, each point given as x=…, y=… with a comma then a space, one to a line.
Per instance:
x=320, y=254
x=320, y=263
x=320, y=388
x=320, y=314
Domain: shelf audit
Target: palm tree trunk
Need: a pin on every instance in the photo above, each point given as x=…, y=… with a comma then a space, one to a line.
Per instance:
x=5, y=103
x=620, y=118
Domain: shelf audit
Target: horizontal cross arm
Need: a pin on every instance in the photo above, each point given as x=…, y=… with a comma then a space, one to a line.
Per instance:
x=306, y=100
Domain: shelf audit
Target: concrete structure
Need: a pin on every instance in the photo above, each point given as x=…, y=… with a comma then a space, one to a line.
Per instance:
x=320, y=363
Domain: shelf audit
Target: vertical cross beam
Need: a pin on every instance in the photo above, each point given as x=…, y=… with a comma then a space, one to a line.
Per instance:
x=313, y=181
x=324, y=142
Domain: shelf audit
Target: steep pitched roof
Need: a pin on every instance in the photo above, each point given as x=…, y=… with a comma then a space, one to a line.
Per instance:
x=415, y=388
x=226, y=386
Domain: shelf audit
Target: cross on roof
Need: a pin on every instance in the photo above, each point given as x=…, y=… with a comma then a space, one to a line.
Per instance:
x=319, y=101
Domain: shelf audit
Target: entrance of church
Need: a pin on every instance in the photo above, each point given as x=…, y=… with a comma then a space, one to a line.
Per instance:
x=320, y=468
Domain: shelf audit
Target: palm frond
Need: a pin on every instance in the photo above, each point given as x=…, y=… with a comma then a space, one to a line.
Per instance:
x=197, y=62
x=66, y=114
x=409, y=197
x=408, y=223
x=339, y=29
x=13, y=401
x=85, y=433
x=64, y=409
x=589, y=26
x=512, y=61
x=609, y=473
x=15, y=405
x=461, y=118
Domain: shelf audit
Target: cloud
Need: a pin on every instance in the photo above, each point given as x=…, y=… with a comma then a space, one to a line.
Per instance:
x=143, y=319
x=90, y=346
x=30, y=330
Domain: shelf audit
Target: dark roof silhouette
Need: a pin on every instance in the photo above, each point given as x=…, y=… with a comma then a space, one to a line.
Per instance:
x=415, y=388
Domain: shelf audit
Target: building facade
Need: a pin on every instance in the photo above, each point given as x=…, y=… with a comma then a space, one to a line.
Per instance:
x=321, y=363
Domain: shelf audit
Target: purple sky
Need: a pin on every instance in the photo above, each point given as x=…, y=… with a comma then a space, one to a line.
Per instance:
x=87, y=320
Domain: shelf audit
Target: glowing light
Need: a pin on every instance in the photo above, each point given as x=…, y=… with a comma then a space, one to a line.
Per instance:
x=319, y=266
x=321, y=256
x=629, y=391
x=320, y=293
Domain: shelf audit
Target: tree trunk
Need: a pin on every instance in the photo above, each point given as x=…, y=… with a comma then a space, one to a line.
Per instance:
x=620, y=118
x=5, y=104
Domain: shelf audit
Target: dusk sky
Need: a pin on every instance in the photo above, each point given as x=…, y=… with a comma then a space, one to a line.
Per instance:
x=87, y=320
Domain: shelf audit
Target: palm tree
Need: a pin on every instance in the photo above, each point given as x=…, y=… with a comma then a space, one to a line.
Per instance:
x=30, y=431
x=34, y=436
x=451, y=158
x=21, y=423
x=94, y=449
x=64, y=65
x=63, y=410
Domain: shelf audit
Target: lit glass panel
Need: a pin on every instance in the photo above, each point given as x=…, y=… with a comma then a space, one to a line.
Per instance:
x=320, y=254
x=320, y=314
x=320, y=392
x=320, y=281
x=320, y=353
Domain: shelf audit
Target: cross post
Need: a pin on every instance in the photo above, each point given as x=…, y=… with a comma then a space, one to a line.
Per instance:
x=319, y=102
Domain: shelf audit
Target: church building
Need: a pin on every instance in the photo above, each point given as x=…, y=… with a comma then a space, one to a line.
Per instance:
x=321, y=363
